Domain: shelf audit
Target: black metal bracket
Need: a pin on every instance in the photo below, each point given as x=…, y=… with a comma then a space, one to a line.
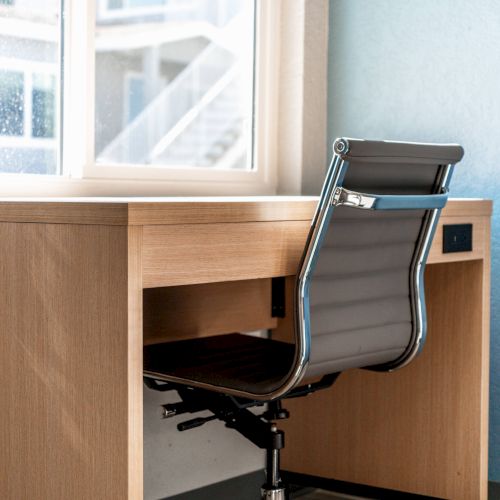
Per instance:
x=155, y=385
x=231, y=410
x=278, y=297
x=304, y=390
x=256, y=429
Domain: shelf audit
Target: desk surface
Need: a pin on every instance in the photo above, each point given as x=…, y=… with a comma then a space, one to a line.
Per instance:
x=165, y=211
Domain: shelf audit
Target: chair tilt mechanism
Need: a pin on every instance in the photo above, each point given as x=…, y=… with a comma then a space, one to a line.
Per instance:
x=358, y=300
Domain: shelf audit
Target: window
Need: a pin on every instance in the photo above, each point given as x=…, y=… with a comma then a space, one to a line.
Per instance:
x=120, y=4
x=29, y=61
x=142, y=91
x=43, y=99
x=192, y=106
x=11, y=103
x=134, y=99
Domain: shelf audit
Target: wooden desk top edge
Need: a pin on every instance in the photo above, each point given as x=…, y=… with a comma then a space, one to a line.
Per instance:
x=169, y=211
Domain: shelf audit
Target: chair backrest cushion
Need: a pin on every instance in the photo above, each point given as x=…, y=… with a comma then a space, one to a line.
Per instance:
x=364, y=300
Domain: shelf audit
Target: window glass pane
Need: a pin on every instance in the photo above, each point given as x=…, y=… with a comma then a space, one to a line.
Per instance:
x=115, y=4
x=11, y=103
x=44, y=105
x=29, y=90
x=144, y=3
x=135, y=95
x=190, y=100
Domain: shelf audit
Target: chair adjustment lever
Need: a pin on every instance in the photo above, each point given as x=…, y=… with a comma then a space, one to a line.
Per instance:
x=195, y=422
x=155, y=385
x=189, y=406
x=173, y=409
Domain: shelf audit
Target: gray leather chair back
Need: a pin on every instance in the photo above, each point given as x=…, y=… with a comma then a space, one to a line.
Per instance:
x=360, y=299
x=359, y=295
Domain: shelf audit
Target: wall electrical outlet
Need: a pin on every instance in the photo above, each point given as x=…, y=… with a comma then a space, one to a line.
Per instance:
x=457, y=238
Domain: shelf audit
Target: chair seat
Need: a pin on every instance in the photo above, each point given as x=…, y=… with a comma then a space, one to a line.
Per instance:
x=234, y=361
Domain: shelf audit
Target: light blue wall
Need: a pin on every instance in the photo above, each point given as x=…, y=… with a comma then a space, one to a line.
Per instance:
x=427, y=70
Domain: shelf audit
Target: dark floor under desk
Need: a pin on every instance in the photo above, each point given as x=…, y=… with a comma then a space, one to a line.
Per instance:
x=246, y=487
x=324, y=495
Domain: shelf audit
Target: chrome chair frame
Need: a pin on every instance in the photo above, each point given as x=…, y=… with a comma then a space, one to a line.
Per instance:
x=334, y=195
x=231, y=406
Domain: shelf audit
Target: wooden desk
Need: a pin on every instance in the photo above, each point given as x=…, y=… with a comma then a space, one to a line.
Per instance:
x=85, y=282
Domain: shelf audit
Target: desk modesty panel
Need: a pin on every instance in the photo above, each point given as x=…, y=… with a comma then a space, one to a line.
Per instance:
x=227, y=252
x=83, y=283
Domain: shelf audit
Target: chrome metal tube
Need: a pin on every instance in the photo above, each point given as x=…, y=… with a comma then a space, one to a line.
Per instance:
x=273, y=468
x=369, y=201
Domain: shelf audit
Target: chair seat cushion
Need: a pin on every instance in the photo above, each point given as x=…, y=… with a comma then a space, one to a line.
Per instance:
x=233, y=361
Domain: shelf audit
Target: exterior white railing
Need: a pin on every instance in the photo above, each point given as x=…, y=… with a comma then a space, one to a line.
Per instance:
x=135, y=143
x=188, y=113
x=194, y=113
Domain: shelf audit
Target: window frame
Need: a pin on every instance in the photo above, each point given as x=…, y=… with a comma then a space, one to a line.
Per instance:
x=27, y=73
x=279, y=94
x=260, y=180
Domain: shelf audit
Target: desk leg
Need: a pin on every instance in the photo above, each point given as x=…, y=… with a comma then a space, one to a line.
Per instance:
x=422, y=429
x=70, y=387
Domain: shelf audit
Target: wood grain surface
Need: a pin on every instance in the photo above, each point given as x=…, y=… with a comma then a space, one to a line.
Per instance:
x=422, y=429
x=199, y=210
x=64, y=364
x=206, y=253
x=71, y=313
x=173, y=313
x=203, y=253
x=134, y=346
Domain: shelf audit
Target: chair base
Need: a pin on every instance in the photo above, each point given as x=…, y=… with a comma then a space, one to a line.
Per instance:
x=261, y=429
x=280, y=493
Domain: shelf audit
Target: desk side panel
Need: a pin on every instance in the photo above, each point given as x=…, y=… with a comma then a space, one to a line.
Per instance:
x=63, y=362
x=135, y=365
x=420, y=429
x=485, y=360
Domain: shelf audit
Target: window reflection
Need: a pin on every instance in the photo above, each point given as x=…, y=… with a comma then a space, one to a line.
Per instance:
x=174, y=82
x=29, y=61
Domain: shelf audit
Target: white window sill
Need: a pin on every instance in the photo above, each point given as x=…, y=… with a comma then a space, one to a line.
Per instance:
x=48, y=186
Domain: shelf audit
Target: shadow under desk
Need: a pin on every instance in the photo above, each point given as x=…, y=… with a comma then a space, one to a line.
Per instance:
x=86, y=282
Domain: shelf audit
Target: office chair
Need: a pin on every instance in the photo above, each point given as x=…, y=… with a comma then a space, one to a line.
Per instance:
x=358, y=300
